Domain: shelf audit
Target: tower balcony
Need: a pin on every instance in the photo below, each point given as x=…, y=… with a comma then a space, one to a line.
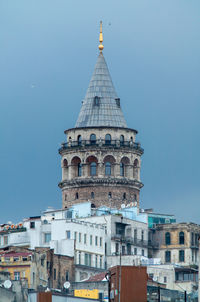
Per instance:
x=116, y=144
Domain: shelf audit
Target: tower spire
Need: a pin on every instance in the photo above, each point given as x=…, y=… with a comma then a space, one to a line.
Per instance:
x=101, y=47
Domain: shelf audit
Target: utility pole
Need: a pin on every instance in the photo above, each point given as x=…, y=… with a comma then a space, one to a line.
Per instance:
x=199, y=273
x=120, y=265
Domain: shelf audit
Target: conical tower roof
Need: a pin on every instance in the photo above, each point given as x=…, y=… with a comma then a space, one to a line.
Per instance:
x=101, y=106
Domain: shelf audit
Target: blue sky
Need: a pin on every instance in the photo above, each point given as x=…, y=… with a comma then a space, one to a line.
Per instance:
x=48, y=50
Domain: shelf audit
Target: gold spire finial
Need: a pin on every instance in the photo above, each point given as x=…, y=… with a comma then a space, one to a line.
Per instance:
x=101, y=38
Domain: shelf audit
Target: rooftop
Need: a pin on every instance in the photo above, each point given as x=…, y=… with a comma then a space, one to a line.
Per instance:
x=101, y=106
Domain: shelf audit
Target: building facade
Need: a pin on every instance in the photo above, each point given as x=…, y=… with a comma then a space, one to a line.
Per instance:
x=177, y=243
x=101, y=159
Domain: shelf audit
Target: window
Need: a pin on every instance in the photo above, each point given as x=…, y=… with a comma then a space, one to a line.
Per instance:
x=167, y=238
x=117, y=248
x=135, y=251
x=117, y=102
x=65, y=197
x=75, y=235
x=109, y=195
x=167, y=256
x=92, y=195
x=142, y=252
x=54, y=274
x=16, y=276
x=100, y=241
x=121, y=140
x=124, y=195
x=108, y=139
x=123, y=250
x=165, y=279
x=86, y=259
x=79, y=237
x=181, y=256
x=142, y=235
x=93, y=139
x=33, y=277
x=96, y=261
x=90, y=239
x=121, y=169
x=108, y=168
x=96, y=240
x=32, y=224
x=96, y=100
x=42, y=261
x=101, y=262
x=76, y=196
x=67, y=276
x=79, y=257
x=135, y=234
x=79, y=140
x=192, y=239
x=47, y=237
x=90, y=260
x=79, y=169
x=93, y=169
x=135, y=163
x=15, y=259
x=5, y=240
x=85, y=238
x=181, y=238
x=68, y=234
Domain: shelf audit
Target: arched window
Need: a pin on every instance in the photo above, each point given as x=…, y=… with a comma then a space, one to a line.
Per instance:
x=92, y=195
x=167, y=256
x=79, y=139
x=93, y=139
x=167, y=238
x=108, y=139
x=79, y=169
x=181, y=238
x=76, y=167
x=121, y=169
x=93, y=169
x=108, y=168
x=65, y=164
x=135, y=163
x=121, y=140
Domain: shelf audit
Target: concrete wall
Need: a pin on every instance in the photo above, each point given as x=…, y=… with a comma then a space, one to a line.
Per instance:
x=7, y=295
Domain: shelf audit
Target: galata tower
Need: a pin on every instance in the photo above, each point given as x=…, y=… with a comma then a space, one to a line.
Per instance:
x=101, y=159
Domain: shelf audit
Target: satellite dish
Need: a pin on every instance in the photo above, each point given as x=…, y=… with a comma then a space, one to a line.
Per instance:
x=66, y=285
x=7, y=284
x=123, y=206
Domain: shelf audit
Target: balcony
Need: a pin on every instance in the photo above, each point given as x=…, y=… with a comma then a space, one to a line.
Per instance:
x=101, y=143
x=130, y=240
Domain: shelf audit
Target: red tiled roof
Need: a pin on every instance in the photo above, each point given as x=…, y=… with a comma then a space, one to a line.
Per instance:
x=13, y=254
x=98, y=277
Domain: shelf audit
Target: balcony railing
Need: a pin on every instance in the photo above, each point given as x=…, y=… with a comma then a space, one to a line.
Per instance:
x=131, y=240
x=101, y=143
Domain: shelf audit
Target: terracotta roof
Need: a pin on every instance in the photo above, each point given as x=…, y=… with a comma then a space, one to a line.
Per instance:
x=98, y=277
x=13, y=254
